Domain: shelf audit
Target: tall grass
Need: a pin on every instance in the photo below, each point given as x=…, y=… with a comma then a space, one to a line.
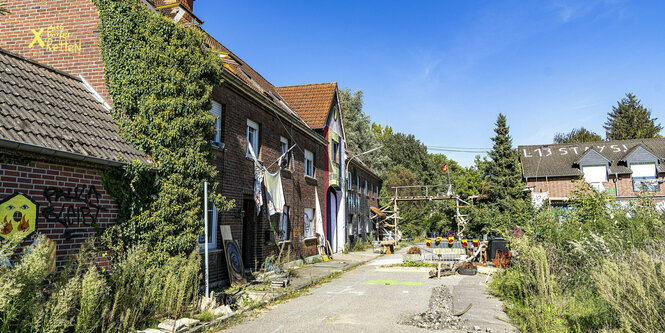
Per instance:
x=595, y=269
x=133, y=295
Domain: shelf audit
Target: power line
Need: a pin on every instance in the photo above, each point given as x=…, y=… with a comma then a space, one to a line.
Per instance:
x=459, y=150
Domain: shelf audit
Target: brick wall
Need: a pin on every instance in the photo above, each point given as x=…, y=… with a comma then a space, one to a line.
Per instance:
x=71, y=198
x=70, y=36
x=237, y=175
x=359, y=212
x=563, y=186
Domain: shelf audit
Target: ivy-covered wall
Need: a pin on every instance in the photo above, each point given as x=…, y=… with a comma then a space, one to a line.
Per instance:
x=160, y=76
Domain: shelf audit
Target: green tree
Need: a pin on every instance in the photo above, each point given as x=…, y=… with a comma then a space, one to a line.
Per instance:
x=506, y=203
x=577, y=135
x=3, y=10
x=630, y=120
x=406, y=151
x=411, y=213
x=504, y=173
x=359, y=135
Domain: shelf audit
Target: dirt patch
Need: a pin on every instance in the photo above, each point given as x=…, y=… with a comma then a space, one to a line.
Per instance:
x=439, y=315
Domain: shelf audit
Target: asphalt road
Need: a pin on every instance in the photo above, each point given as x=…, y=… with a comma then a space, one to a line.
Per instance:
x=360, y=301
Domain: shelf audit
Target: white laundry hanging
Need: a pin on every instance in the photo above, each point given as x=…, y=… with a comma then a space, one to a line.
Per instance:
x=274, y=193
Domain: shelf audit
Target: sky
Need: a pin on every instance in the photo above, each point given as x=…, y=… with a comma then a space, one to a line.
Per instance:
x=444, y=70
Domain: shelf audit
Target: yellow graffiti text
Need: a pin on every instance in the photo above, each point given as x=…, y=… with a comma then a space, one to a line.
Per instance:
x=57, y=39
x=37, y=39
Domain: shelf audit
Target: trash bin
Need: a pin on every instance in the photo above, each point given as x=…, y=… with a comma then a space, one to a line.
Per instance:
x=496, y=244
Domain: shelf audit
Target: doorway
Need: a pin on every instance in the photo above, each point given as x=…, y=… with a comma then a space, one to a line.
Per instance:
x=248, y=232
x=331, y=217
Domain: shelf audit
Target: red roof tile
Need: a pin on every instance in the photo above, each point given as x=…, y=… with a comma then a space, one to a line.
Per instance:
x=311, y=101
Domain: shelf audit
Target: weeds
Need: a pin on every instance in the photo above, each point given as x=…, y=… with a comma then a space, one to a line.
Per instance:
x=595, y=268
x=82, y=299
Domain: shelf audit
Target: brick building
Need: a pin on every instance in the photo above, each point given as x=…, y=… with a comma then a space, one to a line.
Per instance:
x=56, y=139
x=363, y=187
x=622, y=168
x=318, y=105
x=64, y=34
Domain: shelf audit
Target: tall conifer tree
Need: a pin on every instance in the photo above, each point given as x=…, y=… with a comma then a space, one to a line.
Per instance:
x=504, y=172
x=630, y=120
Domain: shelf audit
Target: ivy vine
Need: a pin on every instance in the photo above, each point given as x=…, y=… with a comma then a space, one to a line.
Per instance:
x=160, y=77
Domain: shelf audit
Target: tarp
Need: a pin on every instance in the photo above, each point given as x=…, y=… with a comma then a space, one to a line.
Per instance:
x=274, y=193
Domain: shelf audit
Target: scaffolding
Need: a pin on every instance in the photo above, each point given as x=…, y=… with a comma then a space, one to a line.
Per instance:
x=387, y=217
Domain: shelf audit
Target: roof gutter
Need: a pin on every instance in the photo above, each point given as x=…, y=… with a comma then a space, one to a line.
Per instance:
x=237, y=83
x=26, y=147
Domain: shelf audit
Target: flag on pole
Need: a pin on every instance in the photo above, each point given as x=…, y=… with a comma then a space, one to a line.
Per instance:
x=445, y=167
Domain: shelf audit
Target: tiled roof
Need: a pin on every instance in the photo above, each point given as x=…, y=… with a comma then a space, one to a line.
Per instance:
x=311, y=101
x=43, y=107
x=250, y=77
x=554, y=160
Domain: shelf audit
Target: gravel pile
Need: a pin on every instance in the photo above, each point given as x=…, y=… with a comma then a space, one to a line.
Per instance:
x=439, y=316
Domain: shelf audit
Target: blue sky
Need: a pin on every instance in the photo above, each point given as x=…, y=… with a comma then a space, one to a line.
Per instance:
x=443, y=70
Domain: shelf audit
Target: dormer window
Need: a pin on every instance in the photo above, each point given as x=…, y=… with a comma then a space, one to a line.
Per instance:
x=644, y=177
x=595, y=173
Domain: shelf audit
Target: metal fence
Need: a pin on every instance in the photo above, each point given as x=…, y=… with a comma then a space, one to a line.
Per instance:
x=443, y=252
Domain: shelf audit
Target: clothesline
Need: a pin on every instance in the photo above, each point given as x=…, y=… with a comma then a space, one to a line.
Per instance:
x=280, y=157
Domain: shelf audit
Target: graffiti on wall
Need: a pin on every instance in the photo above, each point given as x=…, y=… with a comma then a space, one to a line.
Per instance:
x=55, y=38
x=75, y=208
x=546, y=151
x=18, y=214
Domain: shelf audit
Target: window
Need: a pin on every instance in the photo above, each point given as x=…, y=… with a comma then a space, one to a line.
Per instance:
x=335, y=151
x=284, y=225
x=216, y=111
x=595, y=173
x=252, y=137
x=309, y=223
x=309, y=163
x=365, y=188
x=283, y=148
x=212, y=229
x=348, y=181
x=644, y=177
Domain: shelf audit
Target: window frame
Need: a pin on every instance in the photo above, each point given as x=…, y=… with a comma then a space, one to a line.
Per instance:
x=217, y=140
x=307, y=171
x=594, y=165
x=638, y=181
x=283, y=148
x=212, y=244
x=286, y=233
x=255, y=142
x=311, y=223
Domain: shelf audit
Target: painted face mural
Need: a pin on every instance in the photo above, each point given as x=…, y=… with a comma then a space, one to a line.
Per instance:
x=18, y=213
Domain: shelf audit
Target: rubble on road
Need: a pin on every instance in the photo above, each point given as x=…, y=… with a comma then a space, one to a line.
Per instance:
x=439, y=315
